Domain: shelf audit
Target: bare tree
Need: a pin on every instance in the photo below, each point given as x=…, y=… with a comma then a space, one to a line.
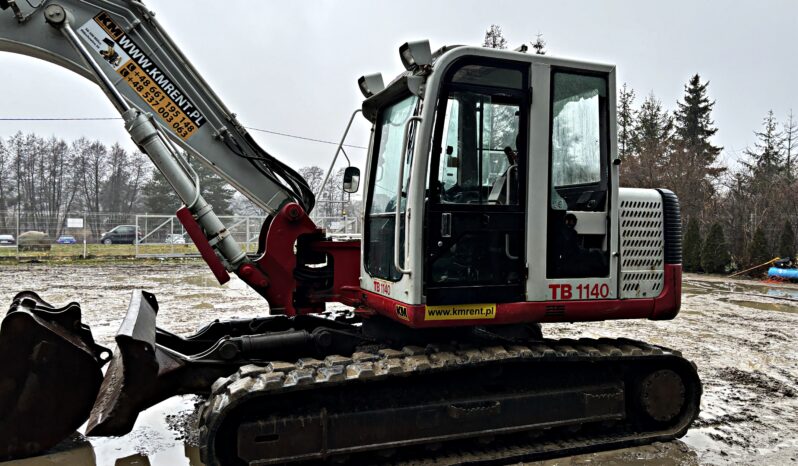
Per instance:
x=113, y=185
x=125, y=177
x=240, y=205
x=91, y=168
x=137, y=170
x=58, y=193
x=539, y=45
x=314, y=176
x=27, y=153
x=790, y=141
x=6, y=180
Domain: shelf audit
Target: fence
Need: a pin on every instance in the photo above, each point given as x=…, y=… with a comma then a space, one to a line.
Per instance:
x=79, y=234
x=54, y=224
x=340, y=227
x=164, y=235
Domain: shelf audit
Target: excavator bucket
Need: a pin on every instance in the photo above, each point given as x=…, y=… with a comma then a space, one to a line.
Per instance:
x=133, y=371
x=51, y=373
x=149, y=366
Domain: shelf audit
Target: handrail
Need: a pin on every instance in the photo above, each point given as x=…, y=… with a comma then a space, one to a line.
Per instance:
x=508, y=199
x=335, y=157
x=398, y=205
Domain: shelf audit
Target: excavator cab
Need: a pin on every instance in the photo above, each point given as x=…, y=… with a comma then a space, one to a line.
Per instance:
x=493, y=182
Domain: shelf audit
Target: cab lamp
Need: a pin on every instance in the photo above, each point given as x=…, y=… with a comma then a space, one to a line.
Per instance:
x=415, y=54
x=371, y=84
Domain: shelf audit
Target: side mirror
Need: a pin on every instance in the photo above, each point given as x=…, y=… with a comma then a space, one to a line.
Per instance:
x=451, y=160
x=351, y=179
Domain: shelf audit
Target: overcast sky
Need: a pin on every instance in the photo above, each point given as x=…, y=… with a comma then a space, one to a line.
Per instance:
x=292, y=66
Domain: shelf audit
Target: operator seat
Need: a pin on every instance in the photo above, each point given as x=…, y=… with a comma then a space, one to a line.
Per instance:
x=499, y=191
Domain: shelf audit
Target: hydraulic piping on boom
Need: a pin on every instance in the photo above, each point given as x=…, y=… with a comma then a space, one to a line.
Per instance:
x=152, y=142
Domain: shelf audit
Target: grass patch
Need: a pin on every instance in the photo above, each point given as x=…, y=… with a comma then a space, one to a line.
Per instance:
x=73, y=253
x=102, y=250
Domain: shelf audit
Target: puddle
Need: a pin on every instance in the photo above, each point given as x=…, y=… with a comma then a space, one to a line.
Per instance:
x=741, y=335
x=780, y=297
x=155, y=440
x=765, y=306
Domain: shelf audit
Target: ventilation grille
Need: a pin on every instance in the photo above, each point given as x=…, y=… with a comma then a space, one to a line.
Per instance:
x=642, y=243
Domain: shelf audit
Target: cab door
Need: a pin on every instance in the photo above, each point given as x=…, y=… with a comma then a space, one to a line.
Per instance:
x=579, y=181
x=475, y=211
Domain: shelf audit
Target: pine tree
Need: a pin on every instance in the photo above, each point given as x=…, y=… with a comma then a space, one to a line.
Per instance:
x=494, y=38
x=694, y=125
x=626, y=121
x=766, y=157
x=159, y=197
x=787, y=241
x=214, y=189
x=692, y=247
x=715, y=253
x=652, y=143
x=759, y=249
x=692, y=170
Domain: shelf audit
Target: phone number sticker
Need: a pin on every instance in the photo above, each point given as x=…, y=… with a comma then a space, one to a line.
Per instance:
x=165, y=107
x=177, y=111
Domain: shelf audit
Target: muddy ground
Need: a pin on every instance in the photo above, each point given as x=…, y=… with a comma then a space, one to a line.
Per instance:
x=742, y=335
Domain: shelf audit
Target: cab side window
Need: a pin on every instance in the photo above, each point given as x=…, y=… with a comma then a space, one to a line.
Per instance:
x=579, y=167
x=480, y=157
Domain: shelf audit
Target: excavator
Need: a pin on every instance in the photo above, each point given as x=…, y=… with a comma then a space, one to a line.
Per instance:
x=492, y=205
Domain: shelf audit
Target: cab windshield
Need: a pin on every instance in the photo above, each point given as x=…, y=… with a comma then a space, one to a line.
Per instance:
x=384, y=195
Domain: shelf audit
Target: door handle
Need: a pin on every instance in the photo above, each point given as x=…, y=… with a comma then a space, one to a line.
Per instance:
x=508, y=180
x=446, y=225
x=507, y=247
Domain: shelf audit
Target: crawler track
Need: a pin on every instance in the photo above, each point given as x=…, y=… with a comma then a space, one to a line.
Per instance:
x=451, y=405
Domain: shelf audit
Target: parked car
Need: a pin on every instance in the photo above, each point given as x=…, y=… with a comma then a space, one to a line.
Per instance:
x=66, y=239
x=121, y=234
x=33, y=241
x=175, y=239
x=7, y=240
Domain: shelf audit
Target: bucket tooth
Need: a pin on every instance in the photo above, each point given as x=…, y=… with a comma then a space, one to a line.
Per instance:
x=51, y=370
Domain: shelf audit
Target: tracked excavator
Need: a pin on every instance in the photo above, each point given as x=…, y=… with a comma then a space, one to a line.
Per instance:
x=492, y=205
